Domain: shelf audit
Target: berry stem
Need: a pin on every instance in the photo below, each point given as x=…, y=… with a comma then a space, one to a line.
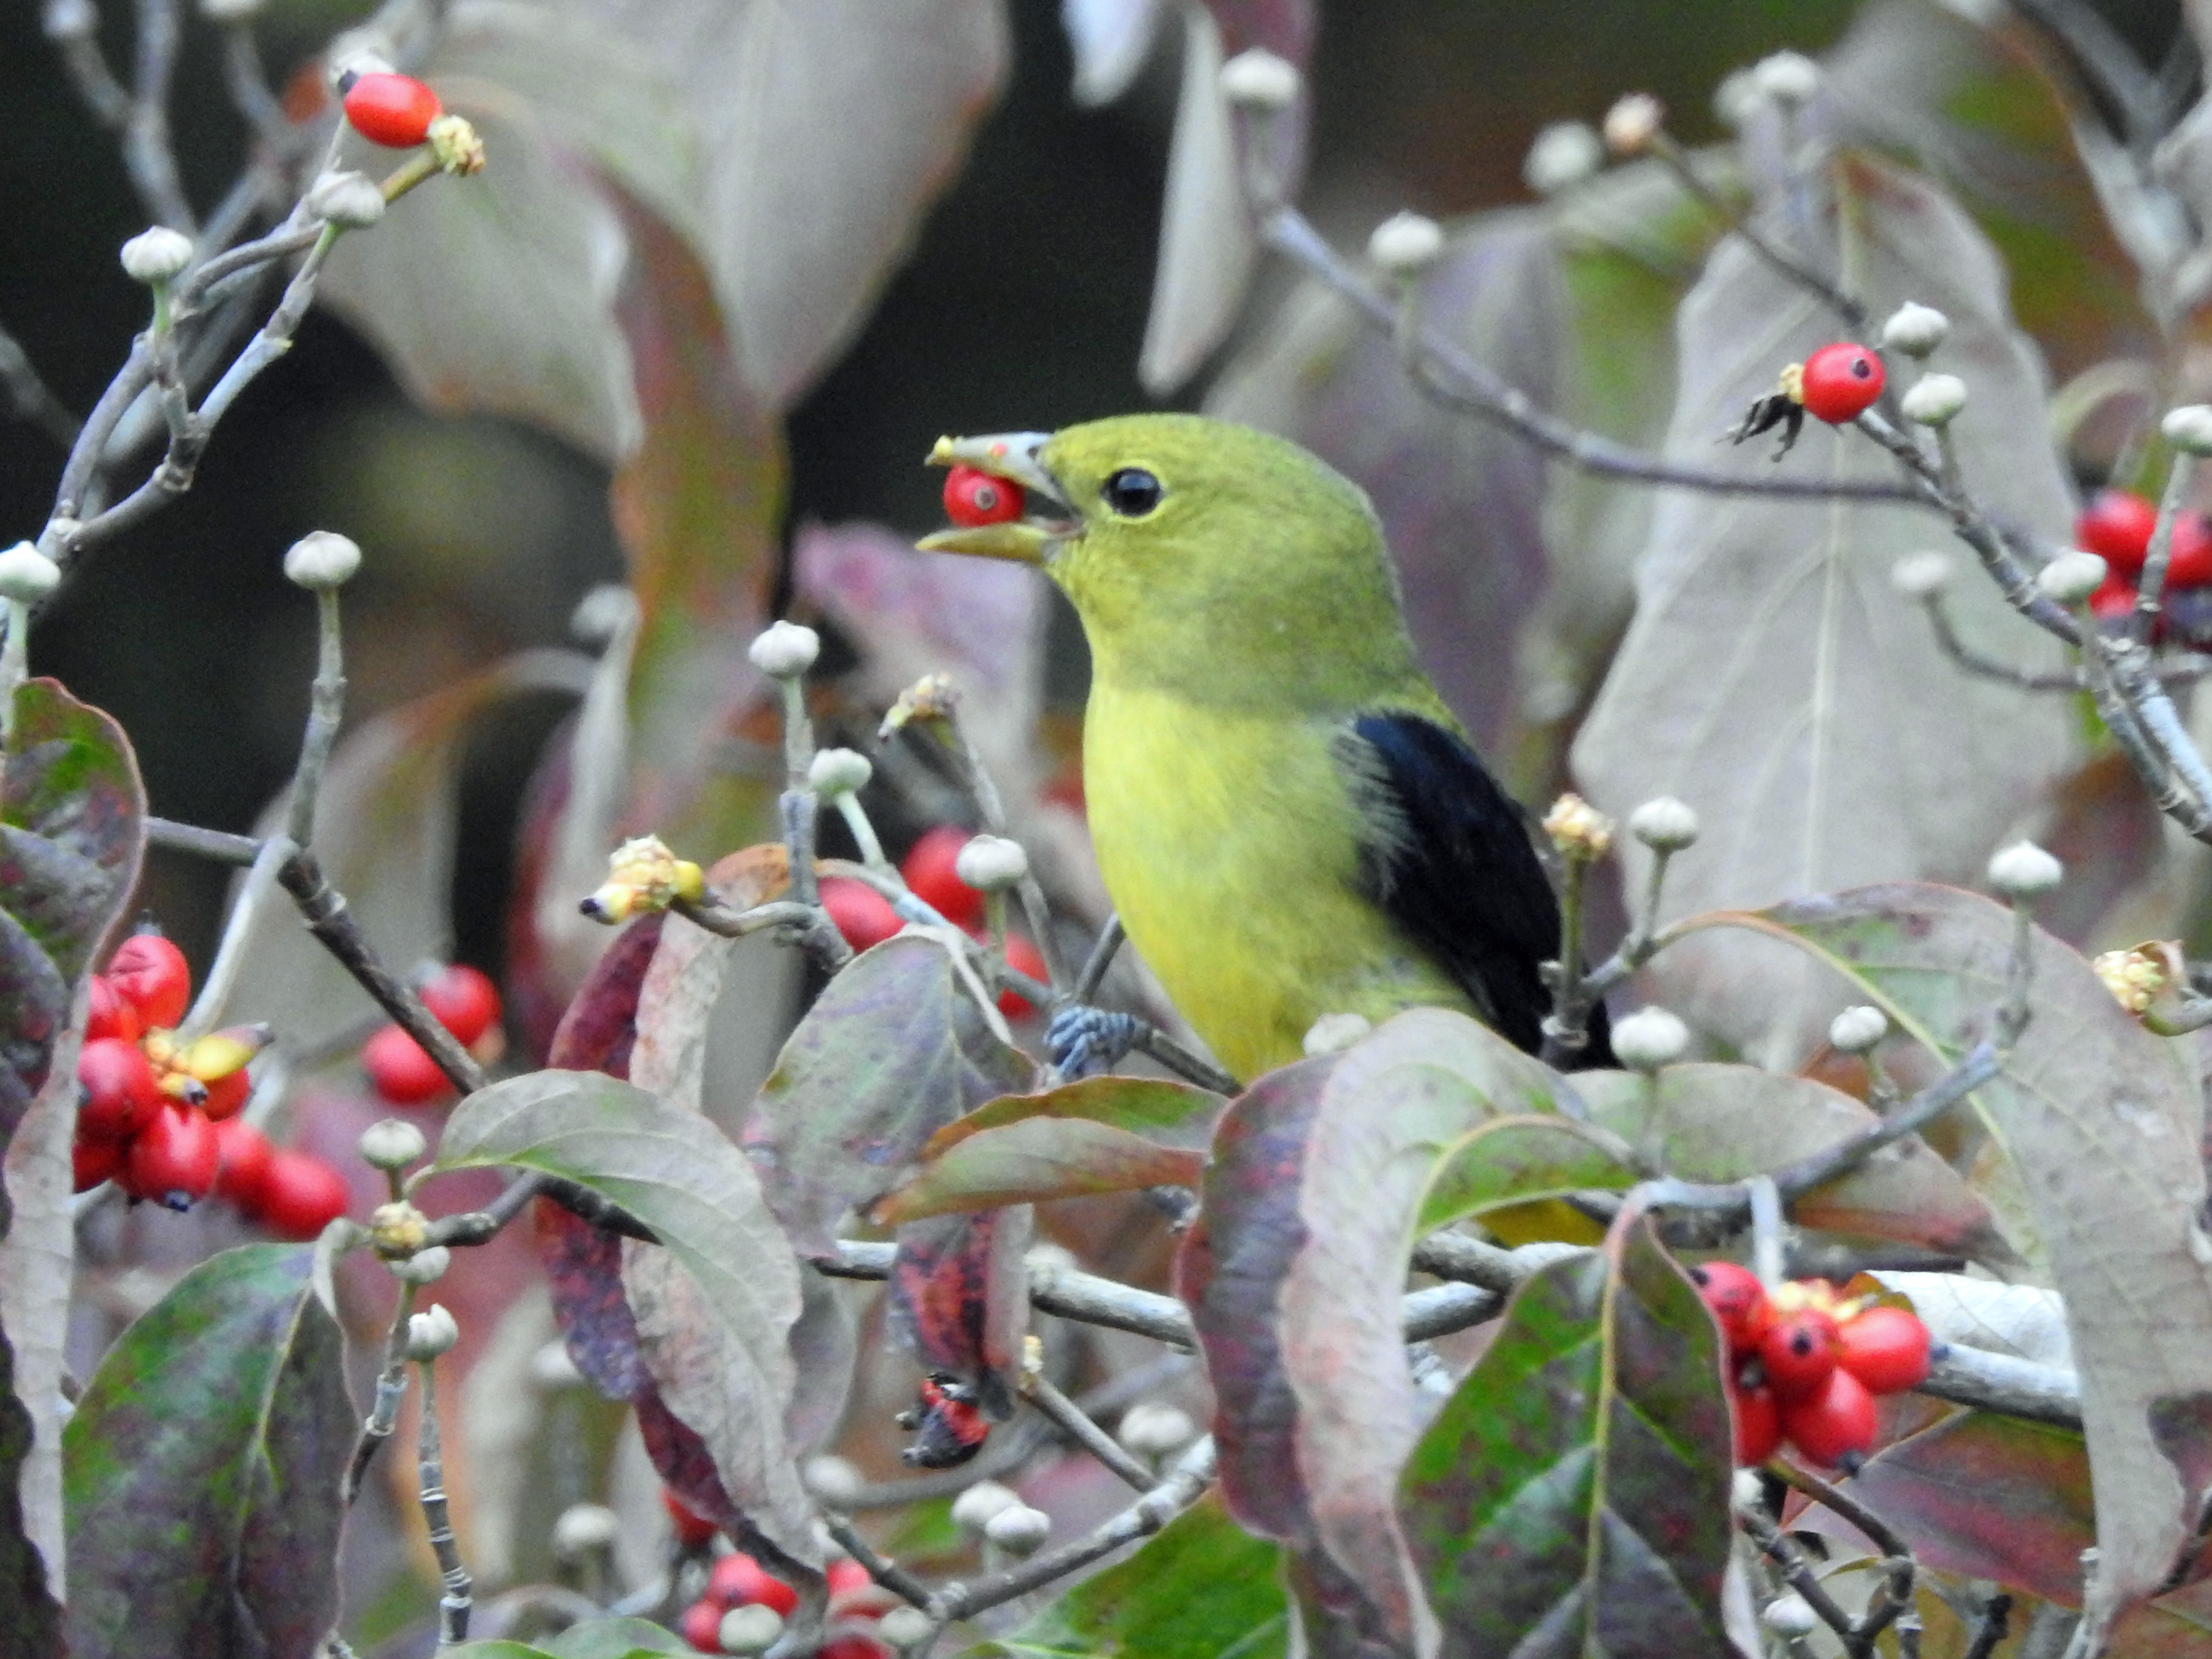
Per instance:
x=206, y=1011
x=2150, y=587
x=325, y=711
x=454, y=1605
x=384, y=1413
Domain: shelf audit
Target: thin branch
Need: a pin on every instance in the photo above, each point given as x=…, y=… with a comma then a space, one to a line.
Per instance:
x=454, y=1603
x=1899, y=1571
x=28, y=396
x=1988, y=668
x=1101, y=958
x=1671, y=155
x=146, y=149
x=1991, y=1626
x=1076, y=1424
x=384, y=1413
x=885, y=1572
x=1798, y=1574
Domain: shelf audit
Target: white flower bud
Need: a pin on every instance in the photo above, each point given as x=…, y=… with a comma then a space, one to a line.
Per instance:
x=2189, y=428
x=1019, y=1529
x=603, y=613
x=975, y=1507
x=988, y=863
x=1915, y=330
x=2071, y=578
x=69, y=20
x=426, y=1266
x=1791, y=1615
x=156, y=256
x=392, y=1144
x=753, y=1629
x=552, y=1369
x=1858, y=1030
x=786, y=651
x=1788, y=78
x=1405, y=244
x=1737, y=99
x=839, y=772
x=904, y=1627
x=833, y=1480
x=431, y=1333
x=1746, y=1490
x=2025, y=871
x=322, y=560
x=1648, y=1039
x=1332, y=1033
x=1664, y=825
x=1563, y=153
x=1633, y=123
x=26, y=575
x=1935, y=400
x=1921, y=575
x=348, y=200
x=582, y=1529
x=230, y=11
x=1150, y=1429
x=1257, y=79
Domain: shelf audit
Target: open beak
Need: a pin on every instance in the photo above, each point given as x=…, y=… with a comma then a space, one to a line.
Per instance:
x=1013, y=456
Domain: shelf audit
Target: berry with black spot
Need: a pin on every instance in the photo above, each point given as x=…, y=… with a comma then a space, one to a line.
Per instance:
x=1738, y=1302
x=1885, y=1348
x=173, y=1159
x=1836, y=1426
x=392, y=109
x=974, y=497
x=1838, y=383
x=1756, y=1421
x=1798, y=1351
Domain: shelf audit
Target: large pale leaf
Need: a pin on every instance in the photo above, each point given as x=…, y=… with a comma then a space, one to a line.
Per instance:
x=1723, y=1123
x=203, y=1469
x=1203, y=1588
x=72, y=832
x=1773, y=678
x=1207, y=239
x=1294, y=1275
x=2102, y=1122
x=726, y=1265
x=1573, y=1495
x=385, y=826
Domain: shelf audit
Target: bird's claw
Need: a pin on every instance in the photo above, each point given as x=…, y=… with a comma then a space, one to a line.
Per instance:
x=1083, y=1041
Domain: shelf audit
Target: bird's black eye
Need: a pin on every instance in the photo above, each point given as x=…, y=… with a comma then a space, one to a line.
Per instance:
x=1133, y=492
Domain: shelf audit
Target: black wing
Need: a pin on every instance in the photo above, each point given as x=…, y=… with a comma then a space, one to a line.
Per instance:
x=1447, y=855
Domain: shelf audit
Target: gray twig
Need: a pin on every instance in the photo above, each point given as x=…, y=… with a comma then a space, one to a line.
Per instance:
x=885, y=1572
x=384, y=1413
x=1077, y=1422
x=28, y=396
x=454, y=1604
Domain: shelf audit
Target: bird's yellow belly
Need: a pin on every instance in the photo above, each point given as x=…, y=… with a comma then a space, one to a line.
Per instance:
x=1230, y=848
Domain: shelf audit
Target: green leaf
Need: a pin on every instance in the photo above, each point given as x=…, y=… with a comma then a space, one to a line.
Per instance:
x=2100, y=1122
x=615, y=1638
x=716, y=1308
x=1173, y=1114
x=1202, y=1588
x=202, y=1468
x=1723, y=1123
x=893, y=1050
x=1514, y=1159
x=1573, y=1494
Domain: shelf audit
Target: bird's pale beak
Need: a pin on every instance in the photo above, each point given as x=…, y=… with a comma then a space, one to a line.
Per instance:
x=1047, y=518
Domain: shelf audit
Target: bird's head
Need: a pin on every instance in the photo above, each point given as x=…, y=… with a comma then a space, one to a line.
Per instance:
x=1193, y=545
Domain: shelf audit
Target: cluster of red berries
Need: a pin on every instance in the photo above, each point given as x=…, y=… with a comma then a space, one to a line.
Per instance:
x=974, y=498
x=736, y=1580
x=2116, y=526
x=159, y=1118
x=400, y=1069
x=1805, y=1367
x=865, y=917
x=392, y=109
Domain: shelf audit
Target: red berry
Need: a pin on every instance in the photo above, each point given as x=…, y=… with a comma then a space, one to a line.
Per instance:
x=121, y=1093
x=1841, y=382
x=1886, y=1349
x=392, y=109
x=853, y=1647
x=702, y=1626
x=300, y=1195
x=92, y=1162
x=846, y=1575
x=1838, y=1423
x=1757, y=1422
x=2114, y=598
x=1799, y=1351
x=149, y=973
x=173, y=1160
x=1738, y=1302
x=2189, y=564
x=464, y=1001
x=863, y=916
x=738, y=1581
x=227, y=1096
x=1023, y=957
x=693, y=1532
x=400, y=1071
x=973, y=497
x=929, y=872
x=109, y=1014
x=243, y=1158
x=2116, y=526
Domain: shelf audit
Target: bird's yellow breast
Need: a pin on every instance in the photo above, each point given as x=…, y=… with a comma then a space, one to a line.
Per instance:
x=1229, y=846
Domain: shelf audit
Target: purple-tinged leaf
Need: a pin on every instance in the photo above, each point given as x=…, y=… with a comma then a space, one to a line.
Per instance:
x=893, y=1050
x=1294, y=1274
x=1573, y=1495
x=202, y=1468
x=1201, y=1588
x=1514, y=1160
x=33, y=1629
x=1171, y=1113
x=725, y=1268
x=1034, y=1162
x=1723, y=1123
x=2099, y=1124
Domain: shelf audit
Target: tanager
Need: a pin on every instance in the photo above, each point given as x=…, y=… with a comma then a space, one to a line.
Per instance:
x=1289, y=820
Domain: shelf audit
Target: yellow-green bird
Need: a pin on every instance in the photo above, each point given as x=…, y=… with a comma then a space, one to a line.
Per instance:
x=1288, y=818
